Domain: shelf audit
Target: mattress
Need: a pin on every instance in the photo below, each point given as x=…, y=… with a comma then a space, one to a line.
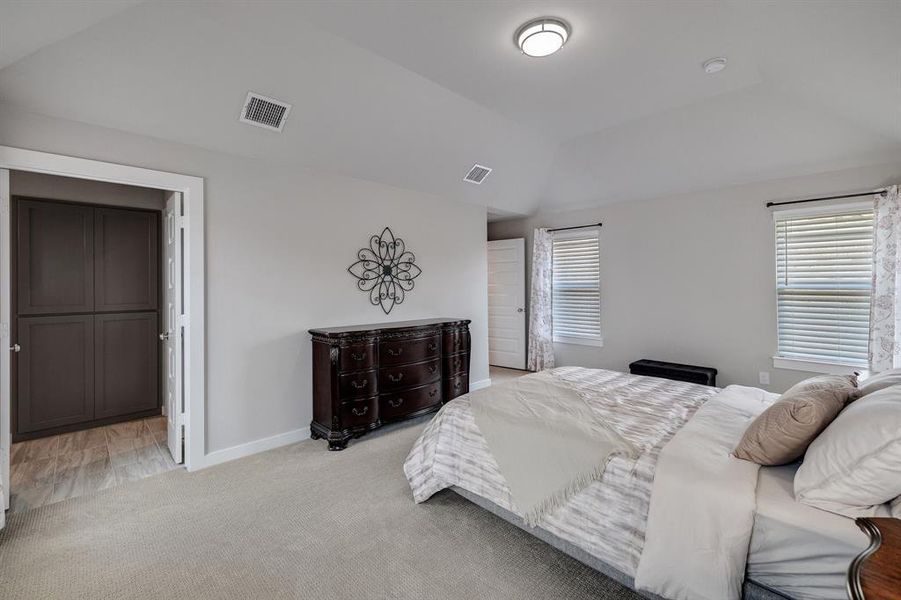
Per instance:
x=607, y=519
x=799, y=550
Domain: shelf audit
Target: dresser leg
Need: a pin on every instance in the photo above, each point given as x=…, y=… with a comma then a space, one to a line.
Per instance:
x=337, y=445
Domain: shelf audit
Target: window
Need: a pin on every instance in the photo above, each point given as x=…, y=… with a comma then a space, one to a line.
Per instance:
x=577, y=293
x=824, y=269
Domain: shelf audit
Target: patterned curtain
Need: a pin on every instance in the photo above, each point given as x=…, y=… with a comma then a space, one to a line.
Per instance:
x=541, y=324
x=885, y=302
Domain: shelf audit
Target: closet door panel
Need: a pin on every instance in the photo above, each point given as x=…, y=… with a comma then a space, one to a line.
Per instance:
x=54, y=258
x=126, y=363
x=55, y=371
x=127, y=260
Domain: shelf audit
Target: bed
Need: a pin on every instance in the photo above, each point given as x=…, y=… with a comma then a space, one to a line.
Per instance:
x=605, y=524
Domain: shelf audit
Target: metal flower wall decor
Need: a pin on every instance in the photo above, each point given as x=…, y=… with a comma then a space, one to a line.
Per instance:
x=385, y=269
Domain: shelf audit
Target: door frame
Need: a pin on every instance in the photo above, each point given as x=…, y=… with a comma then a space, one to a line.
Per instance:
x=191, y=188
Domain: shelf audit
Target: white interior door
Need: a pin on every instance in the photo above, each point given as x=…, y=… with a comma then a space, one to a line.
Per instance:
x=173, y=324
x=506, y=303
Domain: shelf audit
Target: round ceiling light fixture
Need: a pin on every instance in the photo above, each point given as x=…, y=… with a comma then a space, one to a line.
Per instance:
x=714, y=65
x=542, y=37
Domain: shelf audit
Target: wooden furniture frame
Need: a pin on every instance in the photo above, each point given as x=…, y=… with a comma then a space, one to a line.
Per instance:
x=368, y=375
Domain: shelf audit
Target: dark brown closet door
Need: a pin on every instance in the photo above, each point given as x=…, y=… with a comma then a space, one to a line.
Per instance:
x=126, y=363
x=55, y=371
x=55, y=258
x=127, y=260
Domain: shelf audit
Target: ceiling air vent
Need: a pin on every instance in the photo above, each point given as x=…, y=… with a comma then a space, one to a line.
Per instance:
x=477, y=174
x=261, y=111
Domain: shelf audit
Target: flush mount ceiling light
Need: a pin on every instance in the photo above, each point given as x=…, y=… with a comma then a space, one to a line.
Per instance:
x=714, y=65
x=542, y=37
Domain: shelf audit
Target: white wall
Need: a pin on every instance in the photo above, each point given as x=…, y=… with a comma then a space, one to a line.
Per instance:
x=39, y=185
x=278, y=242
x=691, y=278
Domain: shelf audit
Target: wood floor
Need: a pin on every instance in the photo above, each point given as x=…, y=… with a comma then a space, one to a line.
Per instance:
x=55, y=468
x=502, y=374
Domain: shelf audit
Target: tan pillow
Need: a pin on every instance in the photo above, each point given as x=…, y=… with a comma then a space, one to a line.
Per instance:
x=782, y=433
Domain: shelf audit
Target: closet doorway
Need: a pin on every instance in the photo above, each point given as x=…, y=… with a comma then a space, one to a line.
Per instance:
x=185, y=196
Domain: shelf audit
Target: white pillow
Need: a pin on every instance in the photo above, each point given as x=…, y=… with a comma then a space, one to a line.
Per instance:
x=878, y=382
x=896, y=507
x=855, y=464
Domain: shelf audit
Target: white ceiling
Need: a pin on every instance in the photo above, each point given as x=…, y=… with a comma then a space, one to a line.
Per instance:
x=26, y=25
x=413, y=93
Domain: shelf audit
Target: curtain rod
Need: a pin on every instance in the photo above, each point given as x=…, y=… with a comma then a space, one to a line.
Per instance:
x=880, y=191
x=576, y=227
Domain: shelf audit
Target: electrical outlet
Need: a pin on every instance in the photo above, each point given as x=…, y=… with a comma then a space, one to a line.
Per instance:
x=764, y=378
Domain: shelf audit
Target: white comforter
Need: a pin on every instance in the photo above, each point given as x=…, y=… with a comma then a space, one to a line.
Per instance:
x=703, y=504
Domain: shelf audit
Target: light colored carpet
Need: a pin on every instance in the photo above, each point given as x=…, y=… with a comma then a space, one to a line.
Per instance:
x=297, y=522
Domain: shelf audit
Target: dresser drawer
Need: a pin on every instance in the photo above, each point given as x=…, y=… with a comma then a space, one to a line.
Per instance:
x=456, y=386
x=405, y=376
x=456, y=340
x=360, y=413
x=397, y=352
x=456, y=363
x=356, y=357
x=358, y=385
x=400, y=404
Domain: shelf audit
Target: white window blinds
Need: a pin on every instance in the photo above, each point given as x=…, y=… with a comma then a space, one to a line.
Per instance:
x=824, y=265
x=577, y=294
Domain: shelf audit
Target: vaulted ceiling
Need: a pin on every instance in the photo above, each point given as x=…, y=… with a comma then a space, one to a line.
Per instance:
x=413, y=93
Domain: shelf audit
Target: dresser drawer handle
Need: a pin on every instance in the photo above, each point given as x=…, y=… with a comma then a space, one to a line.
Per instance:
x=357, y=356
x=360, y=411
x=395, y=378
x=394, y=403
x=433, y=368
x=433, y=392
x=359, y=385
x=433, y=346
x=395, y=351
x=457, y=385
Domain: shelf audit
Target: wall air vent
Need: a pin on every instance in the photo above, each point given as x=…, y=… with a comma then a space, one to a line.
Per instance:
x=261, y=111
x=477, y=174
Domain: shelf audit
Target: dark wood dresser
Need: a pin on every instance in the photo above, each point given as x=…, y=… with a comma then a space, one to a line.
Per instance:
x=368, y=375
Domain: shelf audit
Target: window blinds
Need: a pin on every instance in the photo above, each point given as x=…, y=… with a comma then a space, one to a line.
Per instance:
x=824, y=265
x=577, y=295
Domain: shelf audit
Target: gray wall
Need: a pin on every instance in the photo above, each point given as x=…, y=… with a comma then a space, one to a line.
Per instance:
x=278, y=242
x=39, y=185
x=691, y=278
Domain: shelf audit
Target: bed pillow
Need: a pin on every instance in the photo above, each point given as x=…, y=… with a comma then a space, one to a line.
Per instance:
x=855, y=465
x=878, y=382
x=781, y=433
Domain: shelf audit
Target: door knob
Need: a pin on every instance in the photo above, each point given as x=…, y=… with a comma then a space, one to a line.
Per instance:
x=15, y=347
x=519, y=310
x=164, y=336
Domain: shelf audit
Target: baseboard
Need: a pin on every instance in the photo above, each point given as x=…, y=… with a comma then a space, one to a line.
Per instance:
x=477, y=385
x=242, y=450
x=282, y=439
